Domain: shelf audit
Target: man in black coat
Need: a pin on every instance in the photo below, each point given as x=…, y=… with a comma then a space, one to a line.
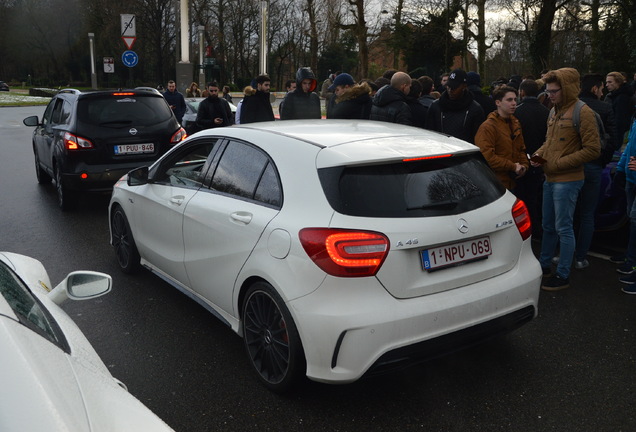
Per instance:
x=351, y=100
x=533, y=116
x=473, y=79
x=302, y=103
x=214, y=111
x=456, y=113
x=256, y=106
x=620, y=96
x=389, y=103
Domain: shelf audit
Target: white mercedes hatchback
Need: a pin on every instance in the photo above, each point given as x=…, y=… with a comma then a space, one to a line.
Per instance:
x=334, y=248
x=51, y=378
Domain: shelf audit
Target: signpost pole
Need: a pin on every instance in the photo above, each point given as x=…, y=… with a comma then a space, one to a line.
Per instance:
x=91, y=40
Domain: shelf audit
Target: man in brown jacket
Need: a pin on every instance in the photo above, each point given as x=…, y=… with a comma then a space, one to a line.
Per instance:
x=500, y=140
x=562, y=157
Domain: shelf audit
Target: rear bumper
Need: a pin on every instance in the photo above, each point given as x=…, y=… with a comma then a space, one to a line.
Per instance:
x=353, y=328
x=98, y=177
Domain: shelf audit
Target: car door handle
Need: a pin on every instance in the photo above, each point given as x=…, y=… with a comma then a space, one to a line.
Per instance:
x=242, y=217
x=177, y=200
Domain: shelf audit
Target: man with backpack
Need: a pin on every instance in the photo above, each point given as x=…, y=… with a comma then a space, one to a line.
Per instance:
x=562, y=158
x=591, y=94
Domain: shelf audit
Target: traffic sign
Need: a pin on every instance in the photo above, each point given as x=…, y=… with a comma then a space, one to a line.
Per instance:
x=130, y=58
x=128, y=25
x=129, y=41
x=109, y=65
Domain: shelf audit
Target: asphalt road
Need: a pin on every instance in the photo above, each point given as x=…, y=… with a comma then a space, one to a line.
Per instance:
x=571, y=369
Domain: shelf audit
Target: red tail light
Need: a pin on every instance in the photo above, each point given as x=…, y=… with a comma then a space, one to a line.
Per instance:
x=74, y=142
x=345, y=253
x=522, y=219
x=178, y=136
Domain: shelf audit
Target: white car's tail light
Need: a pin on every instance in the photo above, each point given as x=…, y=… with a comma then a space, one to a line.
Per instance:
x=522, y=219
x=178, y=136
x=74, y=142
x=345, y=253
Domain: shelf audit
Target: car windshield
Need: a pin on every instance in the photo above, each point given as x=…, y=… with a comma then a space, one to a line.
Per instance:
x=121, y=111
x=431, y=187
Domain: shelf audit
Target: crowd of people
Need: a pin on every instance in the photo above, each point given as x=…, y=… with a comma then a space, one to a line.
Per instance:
x=546, y=139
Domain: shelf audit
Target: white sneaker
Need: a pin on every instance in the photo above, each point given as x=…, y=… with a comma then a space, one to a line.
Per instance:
x=581, y=264
x=555, y=260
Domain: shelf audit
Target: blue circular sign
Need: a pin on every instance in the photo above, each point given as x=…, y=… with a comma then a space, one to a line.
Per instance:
x=130, y=58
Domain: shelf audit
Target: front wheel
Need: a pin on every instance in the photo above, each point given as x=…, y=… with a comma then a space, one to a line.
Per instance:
x=271, y=339
x=123, y=242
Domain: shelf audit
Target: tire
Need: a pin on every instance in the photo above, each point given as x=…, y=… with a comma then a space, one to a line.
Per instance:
x=42, y=176
x=66, y=199
x=271, y=339
x=123, y=242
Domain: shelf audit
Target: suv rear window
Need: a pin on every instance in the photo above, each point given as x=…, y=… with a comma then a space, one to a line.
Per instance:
x=432, y=187
x=116, y=111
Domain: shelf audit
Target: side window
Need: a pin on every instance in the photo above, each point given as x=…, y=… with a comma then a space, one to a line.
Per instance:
x=247, y=172
x=187, y=167
x=46, y=118
x=28, y=310
x=56, y=118
x=66, y=112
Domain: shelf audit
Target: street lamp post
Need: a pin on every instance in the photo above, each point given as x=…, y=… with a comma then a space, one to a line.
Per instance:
x=91, y=40
x=263, y=59
x=201, y=47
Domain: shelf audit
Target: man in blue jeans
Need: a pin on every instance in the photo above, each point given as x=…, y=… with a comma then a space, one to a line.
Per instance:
x=562, y=157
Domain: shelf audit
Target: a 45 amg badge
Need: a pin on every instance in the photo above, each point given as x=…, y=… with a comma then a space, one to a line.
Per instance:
x=409, y=242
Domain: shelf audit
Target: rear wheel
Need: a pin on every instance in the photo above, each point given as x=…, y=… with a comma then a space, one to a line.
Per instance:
x=271, y=339
x=66, y=198
x=123, y=242
x=41, y=174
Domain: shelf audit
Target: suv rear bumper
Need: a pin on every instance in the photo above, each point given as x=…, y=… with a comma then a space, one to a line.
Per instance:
x=97, y=178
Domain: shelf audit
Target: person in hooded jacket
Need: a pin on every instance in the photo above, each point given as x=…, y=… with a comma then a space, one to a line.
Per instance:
x=302, y=103
x=352, y=101
x=456, y=113
x=473, y=80
x=389, y=103
x=562, y=157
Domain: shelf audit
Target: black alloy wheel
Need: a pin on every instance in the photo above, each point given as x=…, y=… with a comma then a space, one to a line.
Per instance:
x=271, y=339
x=123, y=242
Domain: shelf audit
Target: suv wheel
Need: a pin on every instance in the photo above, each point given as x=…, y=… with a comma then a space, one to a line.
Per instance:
x=66, y=198
x=271, y=339
x=41, y=174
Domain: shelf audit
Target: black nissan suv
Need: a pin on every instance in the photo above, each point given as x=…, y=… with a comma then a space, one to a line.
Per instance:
x=87, y=140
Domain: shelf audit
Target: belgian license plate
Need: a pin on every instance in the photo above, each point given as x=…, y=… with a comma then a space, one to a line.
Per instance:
x=134, y=148
x=456, y=253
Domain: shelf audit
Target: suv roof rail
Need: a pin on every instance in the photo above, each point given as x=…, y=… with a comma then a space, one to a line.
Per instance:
x=69, y=90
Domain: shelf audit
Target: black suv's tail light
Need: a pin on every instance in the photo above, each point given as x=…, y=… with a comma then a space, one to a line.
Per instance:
x=522, y=218
x=74, y=142
x=345, y=253
x=178, y=136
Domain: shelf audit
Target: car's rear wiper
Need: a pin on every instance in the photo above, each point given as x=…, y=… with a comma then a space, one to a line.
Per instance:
x=443, y=204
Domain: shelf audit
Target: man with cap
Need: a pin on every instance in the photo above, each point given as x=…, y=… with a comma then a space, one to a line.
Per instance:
x=389, y=103
x=352, y=101
x=302, y=103
x=456, y=113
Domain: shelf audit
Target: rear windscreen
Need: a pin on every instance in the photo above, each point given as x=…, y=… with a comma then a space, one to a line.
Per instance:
x=113, y=111
x=431, y=187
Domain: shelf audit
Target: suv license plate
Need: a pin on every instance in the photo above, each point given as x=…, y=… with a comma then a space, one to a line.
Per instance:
x=134, y=148
x=455, y=253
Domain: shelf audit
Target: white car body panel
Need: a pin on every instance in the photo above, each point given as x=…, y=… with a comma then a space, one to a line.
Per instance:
x=346, y=324
x=47, y=389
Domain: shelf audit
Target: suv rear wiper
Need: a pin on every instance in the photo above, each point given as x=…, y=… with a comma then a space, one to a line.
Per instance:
x=444, y=204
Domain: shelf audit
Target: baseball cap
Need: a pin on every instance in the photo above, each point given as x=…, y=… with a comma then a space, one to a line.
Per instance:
x=342, y=79
x=456, y=78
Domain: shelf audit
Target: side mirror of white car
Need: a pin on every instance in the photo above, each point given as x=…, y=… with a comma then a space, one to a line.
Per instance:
x=81, y=285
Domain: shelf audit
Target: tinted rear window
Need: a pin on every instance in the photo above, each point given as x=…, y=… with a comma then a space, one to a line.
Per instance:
x=432, y=187
x=121, y=111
